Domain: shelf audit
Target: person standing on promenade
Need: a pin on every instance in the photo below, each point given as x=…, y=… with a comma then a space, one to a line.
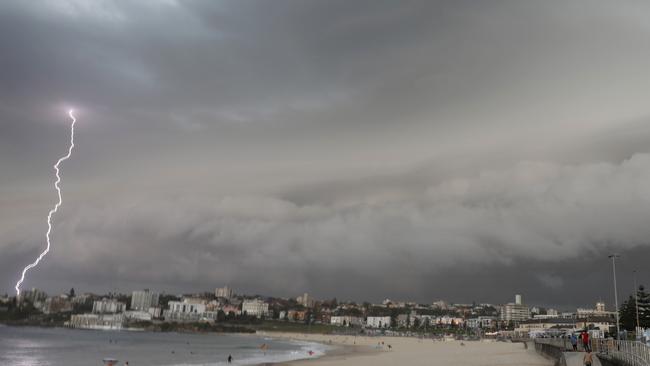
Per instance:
x=574, y=342
x=585, y=341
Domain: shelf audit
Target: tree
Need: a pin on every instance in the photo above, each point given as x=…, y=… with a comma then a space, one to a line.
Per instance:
x=221, y=315
x=627, y=314
x=628, y=310
x=644, y=307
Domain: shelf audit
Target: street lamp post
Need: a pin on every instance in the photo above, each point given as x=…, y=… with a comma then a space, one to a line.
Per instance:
x=636, y=301
x=618, y=326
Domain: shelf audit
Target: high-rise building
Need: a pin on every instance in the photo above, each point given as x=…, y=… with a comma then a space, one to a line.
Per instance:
x=143, y=300
x=225, y=292
x=305, y=300
x=515, y=312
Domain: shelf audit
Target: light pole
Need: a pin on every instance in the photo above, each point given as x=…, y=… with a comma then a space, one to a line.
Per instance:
x=618, y=326
x=636, y=301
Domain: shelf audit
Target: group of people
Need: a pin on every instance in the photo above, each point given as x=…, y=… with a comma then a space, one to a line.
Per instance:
x=587, y=359
x=584, y=338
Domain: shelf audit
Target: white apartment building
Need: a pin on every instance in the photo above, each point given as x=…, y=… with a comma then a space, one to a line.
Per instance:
x=515, y=312
x=378, y=322
x=450, y=320
x=96, y=321
x=155, y=312
x=440, y=305
x=143, y=300
x=186, y=307
x=255, y=307
x=305, y=300
x=485, y=322
x=56, y=304
x=406, y=320
x=346, y=320
x=33, y=295
x=225, y=292
x=137, y=315
x=108, y=306
x=186, y=310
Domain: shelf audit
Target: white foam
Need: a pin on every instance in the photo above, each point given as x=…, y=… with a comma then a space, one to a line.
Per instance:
x=317, y=349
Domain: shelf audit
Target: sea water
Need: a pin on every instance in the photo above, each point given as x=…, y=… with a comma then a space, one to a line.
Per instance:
x=33, y=346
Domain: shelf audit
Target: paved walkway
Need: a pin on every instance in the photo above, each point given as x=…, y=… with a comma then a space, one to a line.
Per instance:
x=575, y=359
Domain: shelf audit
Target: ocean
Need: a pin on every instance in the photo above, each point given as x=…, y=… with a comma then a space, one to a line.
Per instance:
x=33, y=346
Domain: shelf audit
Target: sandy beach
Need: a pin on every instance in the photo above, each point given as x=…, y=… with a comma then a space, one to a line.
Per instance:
x=364, y=351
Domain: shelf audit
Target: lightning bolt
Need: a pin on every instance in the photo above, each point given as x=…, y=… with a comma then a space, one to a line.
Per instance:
x=53, y=210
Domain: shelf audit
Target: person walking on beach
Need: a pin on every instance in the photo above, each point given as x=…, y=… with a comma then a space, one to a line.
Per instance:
x=588, y=358
x=574, y=342
x=229, y=358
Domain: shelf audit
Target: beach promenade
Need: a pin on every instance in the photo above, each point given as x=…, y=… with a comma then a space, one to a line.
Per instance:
x=575, y=359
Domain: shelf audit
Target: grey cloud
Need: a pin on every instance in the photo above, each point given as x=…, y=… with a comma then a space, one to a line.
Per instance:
x=550, y=280
x=534, y=212
x=403, y=148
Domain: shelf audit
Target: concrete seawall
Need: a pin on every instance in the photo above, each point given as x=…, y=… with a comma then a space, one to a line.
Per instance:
x=567, y=358
x=551, y=352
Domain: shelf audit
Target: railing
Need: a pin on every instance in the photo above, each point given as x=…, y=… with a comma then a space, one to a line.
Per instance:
x=624, y=352
x=628, y=352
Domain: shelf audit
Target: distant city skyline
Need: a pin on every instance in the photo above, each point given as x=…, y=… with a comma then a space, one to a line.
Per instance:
x=142, y=299
x=414, y=150
x=112, y=311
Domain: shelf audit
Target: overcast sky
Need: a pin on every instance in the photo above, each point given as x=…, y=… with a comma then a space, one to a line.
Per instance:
x=461, y=150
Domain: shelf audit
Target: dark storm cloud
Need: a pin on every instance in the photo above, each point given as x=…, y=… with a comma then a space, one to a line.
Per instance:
x=352, y=149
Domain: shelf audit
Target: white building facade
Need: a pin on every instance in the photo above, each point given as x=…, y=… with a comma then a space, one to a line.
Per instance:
x=515, y=312
x=224, y=292
x=378, y=322
x=188, y=310
x=108, y=306
x=143, y=300
x=346, y=320
x=255, y=307
x=96, y=321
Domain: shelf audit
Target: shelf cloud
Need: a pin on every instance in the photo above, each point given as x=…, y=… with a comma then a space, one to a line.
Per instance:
x=416, y=150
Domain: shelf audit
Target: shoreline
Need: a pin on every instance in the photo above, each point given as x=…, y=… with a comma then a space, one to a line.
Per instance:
x=337, y=350
x=335, y=354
